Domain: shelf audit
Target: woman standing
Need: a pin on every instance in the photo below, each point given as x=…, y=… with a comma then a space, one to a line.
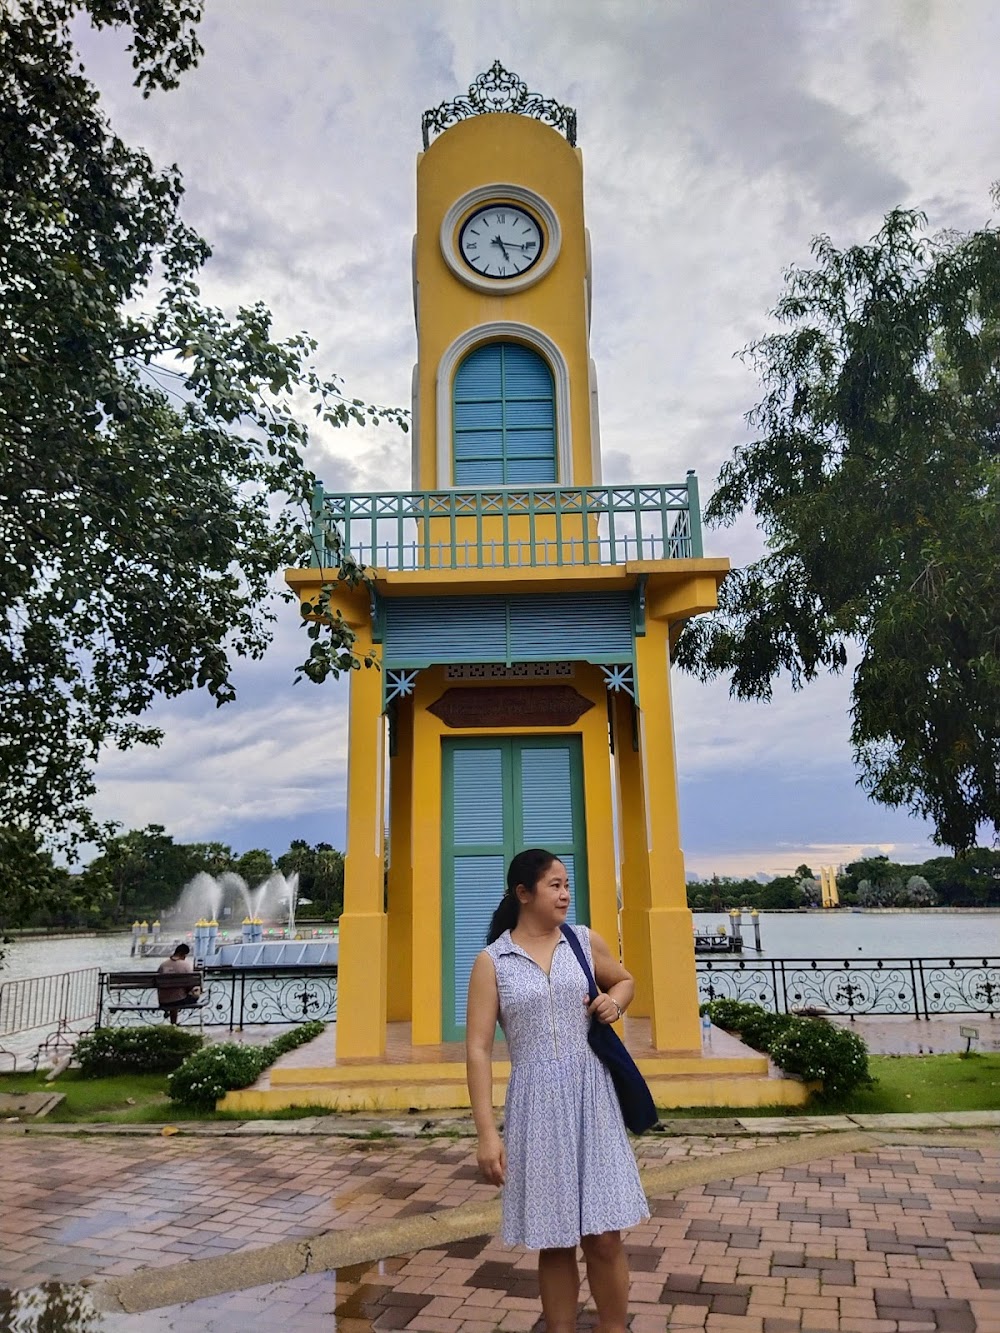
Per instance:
x=566, y=1166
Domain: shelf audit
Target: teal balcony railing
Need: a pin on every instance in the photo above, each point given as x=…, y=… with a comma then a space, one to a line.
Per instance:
x=508, y=528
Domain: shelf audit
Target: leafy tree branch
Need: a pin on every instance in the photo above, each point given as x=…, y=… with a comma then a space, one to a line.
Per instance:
x=874, y=475
x=152, y=472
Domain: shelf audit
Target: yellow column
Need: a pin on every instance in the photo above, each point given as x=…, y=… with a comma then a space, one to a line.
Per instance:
x=634, y=857
x=426, y=844
x=674, y=1010
x=362, y=971
x=400, y=891
x=598, y=820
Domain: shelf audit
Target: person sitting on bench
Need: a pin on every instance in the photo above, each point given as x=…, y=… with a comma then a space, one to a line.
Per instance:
x=172, y=997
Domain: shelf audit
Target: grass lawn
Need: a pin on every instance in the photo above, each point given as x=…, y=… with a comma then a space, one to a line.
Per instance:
x=929, y=1083
x=128, y=1099
x=905, y=1083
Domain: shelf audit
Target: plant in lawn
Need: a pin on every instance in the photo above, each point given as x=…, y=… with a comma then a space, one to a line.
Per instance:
x=810, y=1048
x=210, y=1073
x=817, y=1051
x=145, y=1050
x=732, y=1014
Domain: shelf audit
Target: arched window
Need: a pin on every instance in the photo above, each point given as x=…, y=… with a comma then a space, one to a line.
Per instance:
x=504, y=430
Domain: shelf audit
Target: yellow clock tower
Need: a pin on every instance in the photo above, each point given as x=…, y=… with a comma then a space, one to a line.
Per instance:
x=522, y=614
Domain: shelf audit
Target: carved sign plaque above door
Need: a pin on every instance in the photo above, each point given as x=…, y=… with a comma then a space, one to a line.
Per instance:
x=511, y=706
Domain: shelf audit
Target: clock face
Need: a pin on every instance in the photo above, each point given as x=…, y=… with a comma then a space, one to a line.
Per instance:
x=500, y=241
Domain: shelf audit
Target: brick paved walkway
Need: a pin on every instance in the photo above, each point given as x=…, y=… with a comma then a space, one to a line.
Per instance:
x=899, y=1236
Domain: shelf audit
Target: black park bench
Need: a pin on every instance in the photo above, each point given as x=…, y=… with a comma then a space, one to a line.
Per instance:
x=135, y=987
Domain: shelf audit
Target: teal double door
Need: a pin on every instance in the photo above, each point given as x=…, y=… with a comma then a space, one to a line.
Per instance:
x=501, y=795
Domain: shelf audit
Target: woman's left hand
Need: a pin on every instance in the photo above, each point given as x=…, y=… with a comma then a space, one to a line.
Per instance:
x=603, y=1009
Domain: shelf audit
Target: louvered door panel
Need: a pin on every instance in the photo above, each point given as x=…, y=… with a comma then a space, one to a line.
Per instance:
x=477, y=797
x=547, y=807
x=499, y=797
x=479, y=886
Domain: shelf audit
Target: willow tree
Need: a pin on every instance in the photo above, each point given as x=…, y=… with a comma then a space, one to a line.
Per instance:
x=151, y=451
x=875, y=478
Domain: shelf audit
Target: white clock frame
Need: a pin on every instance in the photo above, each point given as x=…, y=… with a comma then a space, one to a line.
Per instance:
x=500, y=193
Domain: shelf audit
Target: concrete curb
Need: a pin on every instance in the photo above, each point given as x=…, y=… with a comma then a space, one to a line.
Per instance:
x=424, y=1126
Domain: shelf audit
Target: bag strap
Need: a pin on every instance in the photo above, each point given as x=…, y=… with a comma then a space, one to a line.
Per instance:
x=573, y=940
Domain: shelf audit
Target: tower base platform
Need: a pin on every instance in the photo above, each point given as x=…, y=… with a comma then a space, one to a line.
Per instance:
x=432, y=1078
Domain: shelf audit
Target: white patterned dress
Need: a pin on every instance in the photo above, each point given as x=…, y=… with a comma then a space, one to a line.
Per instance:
x=571, y=1171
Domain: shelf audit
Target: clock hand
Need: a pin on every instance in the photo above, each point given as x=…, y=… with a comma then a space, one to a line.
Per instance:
x=503, y=247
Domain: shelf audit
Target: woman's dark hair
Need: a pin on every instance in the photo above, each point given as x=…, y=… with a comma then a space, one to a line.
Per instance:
x=527, y=868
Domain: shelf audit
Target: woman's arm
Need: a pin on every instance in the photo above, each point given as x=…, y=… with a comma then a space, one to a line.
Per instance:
x=480, y=1027
x=614, y=981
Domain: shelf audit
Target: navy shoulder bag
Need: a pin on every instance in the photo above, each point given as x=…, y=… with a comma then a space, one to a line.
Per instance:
x=634, y=1097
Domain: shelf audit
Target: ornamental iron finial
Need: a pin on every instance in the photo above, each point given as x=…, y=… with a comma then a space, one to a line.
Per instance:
x=499, y=90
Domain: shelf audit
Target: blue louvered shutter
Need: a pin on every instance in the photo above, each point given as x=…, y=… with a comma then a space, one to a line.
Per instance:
x=582, y=626
x=480, y=864
x=445, y=629
x=504, y=418
x=547, y=814
x=598, y=625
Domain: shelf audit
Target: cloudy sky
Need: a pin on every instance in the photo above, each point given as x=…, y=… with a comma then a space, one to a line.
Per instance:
x=718, y=138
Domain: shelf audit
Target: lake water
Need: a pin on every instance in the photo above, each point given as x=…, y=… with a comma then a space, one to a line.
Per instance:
x=832, y=935
x=846, y=935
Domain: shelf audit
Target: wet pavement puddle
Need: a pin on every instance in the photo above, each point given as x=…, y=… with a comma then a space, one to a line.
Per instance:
x=345, y=1299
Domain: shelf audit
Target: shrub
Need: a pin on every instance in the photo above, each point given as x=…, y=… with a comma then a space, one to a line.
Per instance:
x=760, y=1030
x=210, y=1073
x=138, y=1050
x=817, y=1051
x=732, y=1014
x=810, y=1048
x=296, y=1036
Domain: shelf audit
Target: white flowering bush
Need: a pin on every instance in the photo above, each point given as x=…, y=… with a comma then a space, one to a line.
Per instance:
x=810, y=1048
x=138, y=1050
x=212, y=1072
x=817, y=1051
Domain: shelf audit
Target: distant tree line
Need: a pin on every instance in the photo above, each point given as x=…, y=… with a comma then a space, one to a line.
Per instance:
x=972, y=880
x=140, y=875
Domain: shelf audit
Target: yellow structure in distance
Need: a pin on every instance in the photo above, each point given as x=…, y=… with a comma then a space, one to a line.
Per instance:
x=829, y=893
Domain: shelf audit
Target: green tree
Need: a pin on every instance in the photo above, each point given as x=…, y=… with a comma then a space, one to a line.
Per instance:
x=875, y=477
x=321, y=875
x=151, y=469
x=972, y=881
x=144, y=871
x=327, y=889
x=255, y=866
x=30, y=879
x=214, y=858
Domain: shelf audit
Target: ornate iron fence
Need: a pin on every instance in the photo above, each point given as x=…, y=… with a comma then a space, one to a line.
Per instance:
x=508, y=528
x=918, y=987
x=236, y=996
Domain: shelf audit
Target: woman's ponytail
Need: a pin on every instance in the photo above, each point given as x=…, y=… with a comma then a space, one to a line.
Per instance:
x=504, y=918
x=526, y=869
